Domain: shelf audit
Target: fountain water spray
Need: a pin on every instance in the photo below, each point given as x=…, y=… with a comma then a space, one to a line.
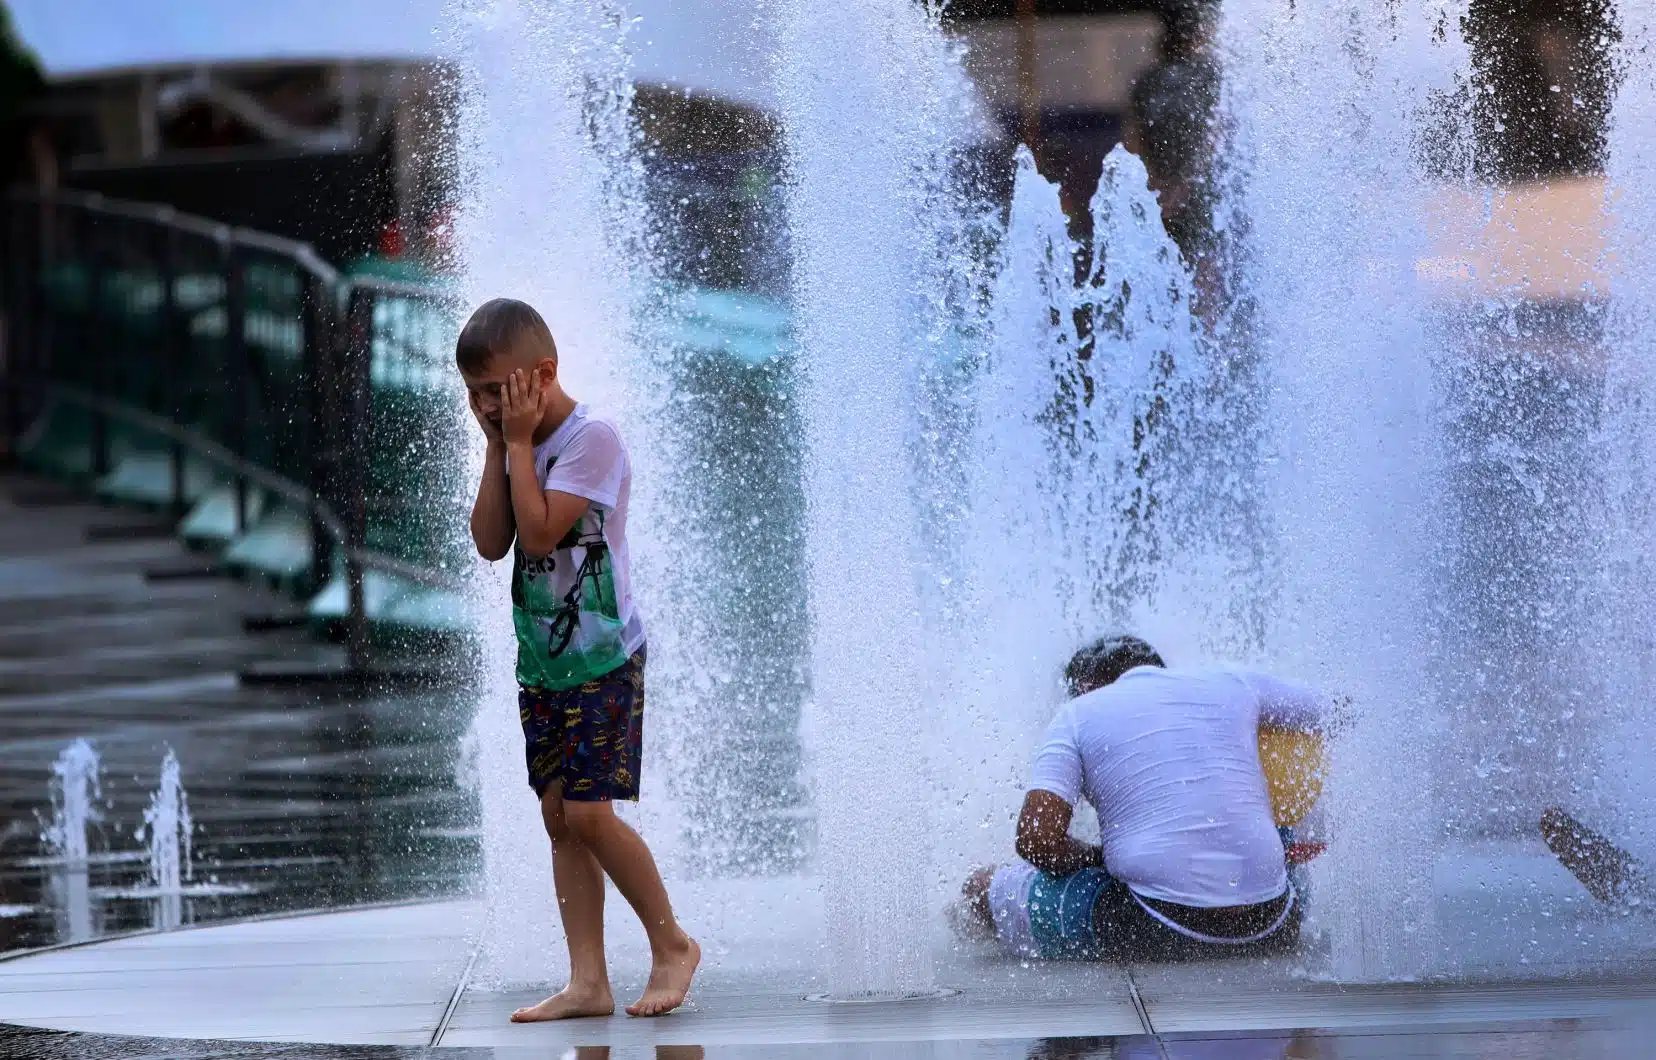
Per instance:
x=1327, y=140
x=552, y=212
x=1095, y=456
x=1005, y=453
x=869, y=203
x=167, y=828
x=76, y=787
x=1625, y=587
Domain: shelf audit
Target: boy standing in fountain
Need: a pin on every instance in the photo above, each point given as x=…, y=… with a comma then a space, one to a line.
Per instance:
x=555, y=485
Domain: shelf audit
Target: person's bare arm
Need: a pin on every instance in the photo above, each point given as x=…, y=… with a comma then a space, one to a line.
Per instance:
x=492, y=525
x=542, y=516
x=1044, y=840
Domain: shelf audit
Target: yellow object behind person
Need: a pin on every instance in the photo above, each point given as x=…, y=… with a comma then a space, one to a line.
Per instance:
x=1293, y=765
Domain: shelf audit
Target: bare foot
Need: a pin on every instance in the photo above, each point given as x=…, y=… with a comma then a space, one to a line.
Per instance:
x=569, y=1003
x=670, y=976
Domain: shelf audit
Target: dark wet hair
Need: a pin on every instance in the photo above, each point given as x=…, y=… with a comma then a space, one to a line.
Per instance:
x=1106, y=659
x=494, y=326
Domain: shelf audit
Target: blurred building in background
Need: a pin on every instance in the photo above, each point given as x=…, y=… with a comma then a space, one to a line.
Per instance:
x=329, y=123
x=20, y=84
x=1073, y=78
x=342, y=154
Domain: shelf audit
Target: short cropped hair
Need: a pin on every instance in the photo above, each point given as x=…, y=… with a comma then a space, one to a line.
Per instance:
x=494, y=326
x=1106, y=659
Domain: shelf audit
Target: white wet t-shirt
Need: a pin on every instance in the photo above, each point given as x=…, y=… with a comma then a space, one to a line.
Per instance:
x=1169, y=758
x=573, y=608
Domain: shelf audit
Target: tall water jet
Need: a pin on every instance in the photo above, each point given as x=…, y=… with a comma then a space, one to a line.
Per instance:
x=1003, y=665
x=551, y=211
x=1524, y=382
x=1326, y=107
x=1128, y=454
x=1143, y=459
x=873, y=101
x=76, y=787
x=1620, y=643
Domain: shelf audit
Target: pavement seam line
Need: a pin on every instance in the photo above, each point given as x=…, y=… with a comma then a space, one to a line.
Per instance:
x=1143, y=1014
x=464, y=981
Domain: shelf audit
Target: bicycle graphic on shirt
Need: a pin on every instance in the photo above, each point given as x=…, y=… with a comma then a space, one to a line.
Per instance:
x=564, y=617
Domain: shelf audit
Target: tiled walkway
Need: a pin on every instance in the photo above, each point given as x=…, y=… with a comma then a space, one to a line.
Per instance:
x=399, y=976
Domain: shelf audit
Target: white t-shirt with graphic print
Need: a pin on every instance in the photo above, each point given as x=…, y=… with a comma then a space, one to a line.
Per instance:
x=573, y=609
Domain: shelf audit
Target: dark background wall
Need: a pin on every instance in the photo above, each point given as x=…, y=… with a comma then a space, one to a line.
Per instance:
x=20, y=85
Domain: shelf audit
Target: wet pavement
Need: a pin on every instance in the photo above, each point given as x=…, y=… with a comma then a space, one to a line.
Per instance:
x=414, y=975
x=308, y=798
x=1546, y=1040
x=302, y=797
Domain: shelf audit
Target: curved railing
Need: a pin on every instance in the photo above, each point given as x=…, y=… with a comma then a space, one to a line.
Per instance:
x=240, y=381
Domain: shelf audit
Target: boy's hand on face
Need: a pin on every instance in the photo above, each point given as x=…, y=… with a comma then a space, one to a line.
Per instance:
x=523, y=403
x=491, y=429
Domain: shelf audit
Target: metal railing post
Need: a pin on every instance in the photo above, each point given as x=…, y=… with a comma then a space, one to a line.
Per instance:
x=171, y=378
x=96, y=331
x=16, y=341
x=43, y=325
x=354, y=471
x=234, y=264
x=317, y=420
x=28, y=342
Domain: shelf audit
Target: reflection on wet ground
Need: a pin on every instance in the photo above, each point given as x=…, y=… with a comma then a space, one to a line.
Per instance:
x=1552, y=1041
x=301, y=797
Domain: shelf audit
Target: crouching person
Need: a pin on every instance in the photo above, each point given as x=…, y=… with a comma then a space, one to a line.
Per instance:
x=1191, y=862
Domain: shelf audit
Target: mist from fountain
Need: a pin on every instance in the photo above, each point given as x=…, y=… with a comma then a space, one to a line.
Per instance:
x=1620, y=643
x=552, y=212
x=1008, y=449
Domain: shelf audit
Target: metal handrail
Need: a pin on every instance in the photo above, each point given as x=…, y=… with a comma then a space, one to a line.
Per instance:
x=339, y=336
x=166, y=216
x=281, y=485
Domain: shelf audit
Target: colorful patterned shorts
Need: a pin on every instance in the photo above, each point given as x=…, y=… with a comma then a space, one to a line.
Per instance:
x=591, y=736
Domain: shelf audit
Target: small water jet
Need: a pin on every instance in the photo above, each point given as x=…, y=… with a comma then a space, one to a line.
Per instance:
x=76, y=787
x=168, y=833
x=167, y=827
